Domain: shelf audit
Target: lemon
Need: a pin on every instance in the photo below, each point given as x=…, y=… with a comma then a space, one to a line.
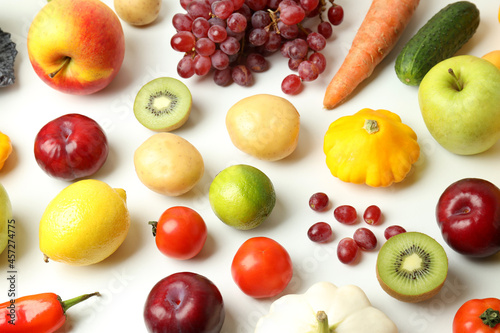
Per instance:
x=5, y=217
x=242, y=196
x=84, y=224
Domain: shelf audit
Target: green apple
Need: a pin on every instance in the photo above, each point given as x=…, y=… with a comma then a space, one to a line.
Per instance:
x=5, y=216
x=460, y=103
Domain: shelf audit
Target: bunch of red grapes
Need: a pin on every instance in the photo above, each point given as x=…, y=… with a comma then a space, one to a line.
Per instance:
x=235, y=37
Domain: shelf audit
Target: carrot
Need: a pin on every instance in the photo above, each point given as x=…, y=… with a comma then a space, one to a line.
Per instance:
x=375, y=38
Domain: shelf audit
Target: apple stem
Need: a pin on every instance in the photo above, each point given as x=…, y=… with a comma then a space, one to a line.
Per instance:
x=457, y=81
x=153, y=224
x=64, y=64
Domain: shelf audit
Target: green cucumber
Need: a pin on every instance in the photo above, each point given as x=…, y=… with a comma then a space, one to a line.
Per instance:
x=440, y=38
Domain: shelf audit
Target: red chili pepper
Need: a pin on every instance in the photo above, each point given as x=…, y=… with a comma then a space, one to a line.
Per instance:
x=41, y=313
x=478, y=316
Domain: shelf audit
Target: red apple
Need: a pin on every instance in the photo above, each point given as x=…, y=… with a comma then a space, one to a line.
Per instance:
x=468, y=213
x=71, y=146
x=76, y=46
x=184, y=302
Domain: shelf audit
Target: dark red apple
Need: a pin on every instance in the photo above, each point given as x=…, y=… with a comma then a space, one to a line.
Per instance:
x=468, y=213
x=71, y=146
x=184, y=302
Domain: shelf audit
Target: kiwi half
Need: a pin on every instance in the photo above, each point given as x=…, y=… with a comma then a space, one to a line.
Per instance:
x=163, y=104
x=412, y=267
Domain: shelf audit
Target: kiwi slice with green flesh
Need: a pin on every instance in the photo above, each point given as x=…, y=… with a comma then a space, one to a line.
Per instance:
x=163, y=104
x=412, y=267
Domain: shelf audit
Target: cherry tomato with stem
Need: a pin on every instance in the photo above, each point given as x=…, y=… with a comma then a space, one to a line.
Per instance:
x=262, y=267
x=180, y=232
x=478, y=316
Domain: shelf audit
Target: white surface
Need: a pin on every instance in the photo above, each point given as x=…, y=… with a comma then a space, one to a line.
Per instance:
x=126, y=277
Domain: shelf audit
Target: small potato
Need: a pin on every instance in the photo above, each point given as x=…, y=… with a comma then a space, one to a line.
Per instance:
x=168, y=164
x=264, y=126
x=138, y=12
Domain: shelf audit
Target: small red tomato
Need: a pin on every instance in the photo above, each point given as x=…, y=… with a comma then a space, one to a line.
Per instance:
x=262, y=267
x=180, y=233
x=478, y=316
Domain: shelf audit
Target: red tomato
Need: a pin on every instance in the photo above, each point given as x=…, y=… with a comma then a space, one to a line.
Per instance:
x=478, y=316
x=261, y=267
x=180, y=233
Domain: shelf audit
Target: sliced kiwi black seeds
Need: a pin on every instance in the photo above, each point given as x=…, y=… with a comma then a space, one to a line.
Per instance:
x=163, y=104
x=412, y=266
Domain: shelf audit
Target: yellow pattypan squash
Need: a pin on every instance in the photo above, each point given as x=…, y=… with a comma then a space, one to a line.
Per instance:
x=5, y=148
x=370, y=146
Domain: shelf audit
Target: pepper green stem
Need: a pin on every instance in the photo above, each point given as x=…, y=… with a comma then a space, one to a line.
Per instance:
x=322, y=319
x=73, y=301
x=153, y=224
x=490, y=317
x=371, y=126
x=458, y=84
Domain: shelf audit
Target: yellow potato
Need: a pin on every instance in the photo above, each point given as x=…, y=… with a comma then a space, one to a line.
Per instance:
x=138, y=12
x=168, y=164
x=264, y=126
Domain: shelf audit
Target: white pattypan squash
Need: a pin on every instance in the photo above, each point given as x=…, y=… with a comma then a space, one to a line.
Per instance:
x=325, y=308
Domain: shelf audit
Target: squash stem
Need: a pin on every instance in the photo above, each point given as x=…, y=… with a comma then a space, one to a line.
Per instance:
x=371, y=126
x=490, y=317
x=322, y=319
x=458, y=84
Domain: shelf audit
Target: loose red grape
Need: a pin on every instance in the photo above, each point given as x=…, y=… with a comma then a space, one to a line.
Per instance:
x=372, y=215
x=294, y=64
x=223, y=77
x=202, y=65
x=393, y=230
x=256, y=4
x=183, y=41
x=230, y=46
x=308, y=71
x=365, y=238
x=335, y=14
x=222, y=8
x=200, y=27
x=185, y=67
x=182, y=22
x=319, y=201
x=236, y=22
x=237, y=4
x=319, y=60
x=298, y=49
x=242, y=75
x=220, y=60
x=198, y=8
x=258, y=36
x=217, y=33
x=288, y=31
x=325, y=28
x=316, y=41
x=204, y=46
x=291, y=84
x=257, y=63
x=291, y=13
x=347, y=250
x=345, y=214
x=320, y=232
x=260, y=19
x=309, y=5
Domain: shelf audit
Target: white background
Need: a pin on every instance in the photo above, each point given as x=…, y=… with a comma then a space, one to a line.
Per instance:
x=125, y=278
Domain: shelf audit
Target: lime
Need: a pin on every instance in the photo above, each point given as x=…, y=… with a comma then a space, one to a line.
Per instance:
x=84, y=224
x=242, y=196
